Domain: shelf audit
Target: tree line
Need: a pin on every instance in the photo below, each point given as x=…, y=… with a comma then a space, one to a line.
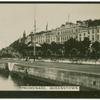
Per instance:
x=90, y=22
x=71, y=49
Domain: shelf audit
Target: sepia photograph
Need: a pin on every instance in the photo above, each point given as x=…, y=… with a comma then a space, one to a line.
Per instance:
x=47, y=47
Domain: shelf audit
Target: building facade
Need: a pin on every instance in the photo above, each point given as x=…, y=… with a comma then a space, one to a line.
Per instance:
x=93, y=33
x=65, y=32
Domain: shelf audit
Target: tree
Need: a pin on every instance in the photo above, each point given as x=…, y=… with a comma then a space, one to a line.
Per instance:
x=74, y=54
x=20, y=47
x=54, y=48
x=45, y=48
x=69, y=45
x=60, y=50
x=85, y=47
x=96, y=46
x=92, y=23
x=95, y=50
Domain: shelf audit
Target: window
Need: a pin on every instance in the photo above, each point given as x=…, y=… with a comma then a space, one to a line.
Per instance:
x=94, y=83
x=92, y=30
x=76, y=30
x=84, y=34
x=88, y=32
x=97, y=37
x=93, y=37
x=76, y=37
x=80, y=39
x=65, y=37
x=58, y=33
x=97, y=30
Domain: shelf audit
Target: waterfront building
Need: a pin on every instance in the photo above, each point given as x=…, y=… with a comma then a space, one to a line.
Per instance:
x=66, y=31
x=98, y=33
x=58, y=35
x=82, y=33
x=93, y=33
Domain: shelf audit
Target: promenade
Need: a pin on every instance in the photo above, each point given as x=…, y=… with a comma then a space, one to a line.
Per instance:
x=85, y=66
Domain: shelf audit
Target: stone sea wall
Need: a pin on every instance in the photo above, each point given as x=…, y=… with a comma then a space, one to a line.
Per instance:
x=90, y=80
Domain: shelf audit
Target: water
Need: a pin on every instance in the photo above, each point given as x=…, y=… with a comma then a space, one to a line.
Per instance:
x=13, y=82
x=6, y=82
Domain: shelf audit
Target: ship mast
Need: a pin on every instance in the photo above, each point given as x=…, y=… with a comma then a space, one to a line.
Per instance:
x=68, y=18
x=34, y=31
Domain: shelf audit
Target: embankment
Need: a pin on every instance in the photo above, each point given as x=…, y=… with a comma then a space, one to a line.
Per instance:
x=86, y=79
x=55, y=75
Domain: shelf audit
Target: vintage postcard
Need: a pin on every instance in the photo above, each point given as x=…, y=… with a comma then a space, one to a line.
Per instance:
x=50, y=49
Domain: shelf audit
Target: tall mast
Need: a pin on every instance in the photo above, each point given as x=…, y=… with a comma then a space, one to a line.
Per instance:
x=68, y=18
x=34, y=19
x=34, y=31
x=47, y=27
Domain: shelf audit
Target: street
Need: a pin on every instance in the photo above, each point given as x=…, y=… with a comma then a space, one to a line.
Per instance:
x=68, y=66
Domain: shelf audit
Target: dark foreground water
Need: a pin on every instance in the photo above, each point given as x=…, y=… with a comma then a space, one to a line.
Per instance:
x=13, y=82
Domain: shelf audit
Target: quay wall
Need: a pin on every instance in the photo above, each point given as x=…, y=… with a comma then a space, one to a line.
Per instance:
x=4, y=66
x=90, y=80
x=85, y=79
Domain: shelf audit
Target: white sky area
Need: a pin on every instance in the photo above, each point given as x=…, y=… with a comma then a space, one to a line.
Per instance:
x=15, y=18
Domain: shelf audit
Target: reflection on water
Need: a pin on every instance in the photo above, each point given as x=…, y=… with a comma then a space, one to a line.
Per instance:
x=6, y=82
x=10, y=81
x=27, y=81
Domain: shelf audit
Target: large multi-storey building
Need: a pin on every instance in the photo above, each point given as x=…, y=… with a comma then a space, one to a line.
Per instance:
x=66, y=31
x=93, y=33
x=98, y=33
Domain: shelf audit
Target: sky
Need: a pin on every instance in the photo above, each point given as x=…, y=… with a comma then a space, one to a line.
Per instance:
x=15, y=18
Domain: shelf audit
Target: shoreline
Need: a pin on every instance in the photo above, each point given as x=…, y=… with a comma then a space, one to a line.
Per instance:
x=67, y=61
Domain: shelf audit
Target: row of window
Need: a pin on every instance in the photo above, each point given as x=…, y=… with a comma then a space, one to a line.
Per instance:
x=68, y=31
x=92, y=38
x=85, y=34
x=54, y=37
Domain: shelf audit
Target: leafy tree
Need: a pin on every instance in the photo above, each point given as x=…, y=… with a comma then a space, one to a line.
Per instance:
x=54, y=48
x=69, y=45
x=85, y=47
x=74, y=53
x=92, y=23
x=45, y=48
x=96, y=46
x=95, y=50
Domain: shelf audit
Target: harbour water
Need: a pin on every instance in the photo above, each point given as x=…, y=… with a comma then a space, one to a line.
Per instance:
x=13, y=82
x=10, y=82
x=6, y=82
